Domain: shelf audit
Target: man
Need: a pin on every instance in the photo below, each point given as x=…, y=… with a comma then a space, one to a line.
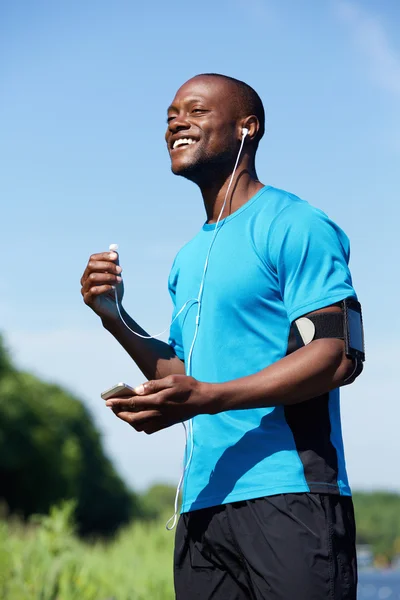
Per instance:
x=266, y=510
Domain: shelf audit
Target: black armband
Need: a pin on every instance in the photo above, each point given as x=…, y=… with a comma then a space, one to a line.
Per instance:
x=346, y=325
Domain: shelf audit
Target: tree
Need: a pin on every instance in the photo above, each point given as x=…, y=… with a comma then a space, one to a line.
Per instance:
x=158, y=501
x=378, y=521
x=50, y=450
x=5, y=362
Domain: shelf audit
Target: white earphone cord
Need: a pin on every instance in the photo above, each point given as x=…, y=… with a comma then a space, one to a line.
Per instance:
x=197, y=300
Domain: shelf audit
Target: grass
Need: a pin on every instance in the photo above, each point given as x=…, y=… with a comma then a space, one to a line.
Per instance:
x=46, y=561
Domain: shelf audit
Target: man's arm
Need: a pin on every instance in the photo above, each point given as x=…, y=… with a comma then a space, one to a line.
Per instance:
x=311, y=371
x=154, y=358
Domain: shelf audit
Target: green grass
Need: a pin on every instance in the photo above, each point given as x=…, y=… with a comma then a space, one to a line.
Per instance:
x=46, y=561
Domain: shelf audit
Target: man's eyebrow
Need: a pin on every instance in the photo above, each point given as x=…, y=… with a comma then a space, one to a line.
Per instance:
x=188, y=101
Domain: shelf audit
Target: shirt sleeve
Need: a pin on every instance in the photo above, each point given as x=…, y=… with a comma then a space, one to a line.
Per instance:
x=175, y=334
x=310, y=255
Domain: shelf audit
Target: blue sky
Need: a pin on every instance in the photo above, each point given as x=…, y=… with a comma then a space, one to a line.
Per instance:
x=84, y=89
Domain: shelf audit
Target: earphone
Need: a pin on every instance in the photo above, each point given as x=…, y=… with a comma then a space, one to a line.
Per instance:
x=197, y=300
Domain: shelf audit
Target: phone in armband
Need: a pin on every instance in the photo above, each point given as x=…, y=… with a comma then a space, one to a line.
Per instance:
x=353, y=329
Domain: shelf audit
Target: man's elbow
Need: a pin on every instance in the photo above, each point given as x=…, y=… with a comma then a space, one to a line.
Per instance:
x=345, y=370
x=351, y=370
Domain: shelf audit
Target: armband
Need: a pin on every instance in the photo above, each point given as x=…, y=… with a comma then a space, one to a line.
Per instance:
x=346, y=325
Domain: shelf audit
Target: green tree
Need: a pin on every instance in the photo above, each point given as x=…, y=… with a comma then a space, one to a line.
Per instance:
x=378, y=521
x=50, y=450
x=158, y=501
x=5, y=362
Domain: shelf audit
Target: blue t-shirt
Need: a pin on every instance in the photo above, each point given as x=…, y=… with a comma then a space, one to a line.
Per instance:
x=274, y=259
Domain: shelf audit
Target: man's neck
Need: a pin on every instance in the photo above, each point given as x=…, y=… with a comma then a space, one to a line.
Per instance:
x=244, y=186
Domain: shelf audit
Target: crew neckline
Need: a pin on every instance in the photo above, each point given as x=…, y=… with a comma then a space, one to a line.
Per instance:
x=211, y=226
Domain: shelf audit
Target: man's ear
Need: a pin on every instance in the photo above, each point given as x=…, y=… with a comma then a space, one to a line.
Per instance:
x=252, y=125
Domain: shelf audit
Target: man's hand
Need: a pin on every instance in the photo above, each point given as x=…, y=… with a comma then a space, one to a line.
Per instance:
x=164, y=402
x=100, y=277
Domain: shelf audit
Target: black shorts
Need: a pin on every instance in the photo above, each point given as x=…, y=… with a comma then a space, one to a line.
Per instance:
x=283, y=547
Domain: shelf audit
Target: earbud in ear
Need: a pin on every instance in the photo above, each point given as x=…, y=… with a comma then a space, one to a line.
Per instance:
x=245, y=131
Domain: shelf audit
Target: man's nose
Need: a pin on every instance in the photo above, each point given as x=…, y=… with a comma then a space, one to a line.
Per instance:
x=180, y=123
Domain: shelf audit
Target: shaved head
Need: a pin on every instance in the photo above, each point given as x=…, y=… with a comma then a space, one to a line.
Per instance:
x=247, y=100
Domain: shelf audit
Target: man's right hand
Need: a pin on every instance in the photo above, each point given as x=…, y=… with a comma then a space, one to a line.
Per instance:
x=98, y=281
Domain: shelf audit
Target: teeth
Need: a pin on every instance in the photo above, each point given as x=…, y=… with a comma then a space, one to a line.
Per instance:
x=182, y=142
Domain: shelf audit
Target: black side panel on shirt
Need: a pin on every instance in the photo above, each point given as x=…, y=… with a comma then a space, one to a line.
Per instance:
x=311, y=428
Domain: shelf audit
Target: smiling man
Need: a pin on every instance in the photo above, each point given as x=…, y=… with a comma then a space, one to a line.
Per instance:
x=259, y=345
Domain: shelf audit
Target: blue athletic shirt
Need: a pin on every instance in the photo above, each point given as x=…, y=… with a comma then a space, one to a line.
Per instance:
x=274, y=259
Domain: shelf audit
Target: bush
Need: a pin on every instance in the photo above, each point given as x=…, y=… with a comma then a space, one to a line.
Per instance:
x=46, y=561
x=158, y=501
x=378, y=522
x=50, y=450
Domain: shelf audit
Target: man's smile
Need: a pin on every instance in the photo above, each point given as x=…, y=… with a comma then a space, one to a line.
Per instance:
x=183, y=142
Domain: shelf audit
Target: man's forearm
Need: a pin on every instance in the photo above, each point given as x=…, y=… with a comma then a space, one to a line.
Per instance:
x=306, y=373
x=155, y=358
x=309, y=372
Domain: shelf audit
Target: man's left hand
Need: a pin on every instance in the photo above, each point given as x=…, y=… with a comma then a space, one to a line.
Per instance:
x=161, y=403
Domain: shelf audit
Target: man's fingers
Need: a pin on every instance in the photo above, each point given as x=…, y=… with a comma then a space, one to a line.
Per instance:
x=102, y=266
x=140, y=420
x=155, y=386
x=96, y=291
x=106, y=256
x=95, y=279
x=126, y=403
x=137, y=404
x=104, y=261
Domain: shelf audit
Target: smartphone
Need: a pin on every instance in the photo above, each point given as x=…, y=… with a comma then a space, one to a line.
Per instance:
x=354, y=332
x=120, y=389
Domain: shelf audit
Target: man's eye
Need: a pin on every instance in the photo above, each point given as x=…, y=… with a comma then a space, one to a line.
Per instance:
x=169, y=119
x=198, y=110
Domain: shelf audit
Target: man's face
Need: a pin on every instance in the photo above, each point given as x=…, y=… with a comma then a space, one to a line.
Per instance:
x=202, y=127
